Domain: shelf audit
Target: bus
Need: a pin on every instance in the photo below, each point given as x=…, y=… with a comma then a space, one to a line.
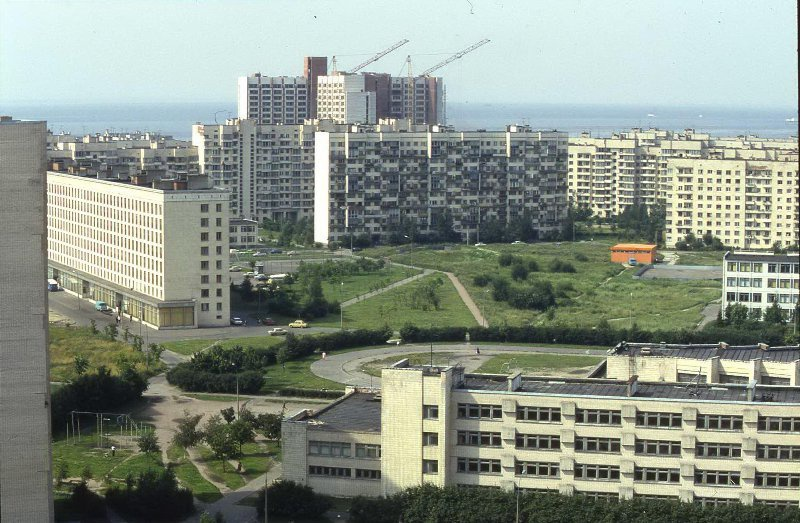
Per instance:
x=52, y=285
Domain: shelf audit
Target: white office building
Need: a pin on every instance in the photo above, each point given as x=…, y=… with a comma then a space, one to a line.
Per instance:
x=757, y=280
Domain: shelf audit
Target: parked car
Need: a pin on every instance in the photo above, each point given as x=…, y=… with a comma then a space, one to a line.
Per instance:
x=517, y=242
x=275, y=251
x=298, y=324
x=249, y=274
x=278, y=331
x=480, y=244
x=259, y=254
x=356, y=249
x=267, y=321
x=291, y=253
x=261, y=277
x=237, y=321
x=235, y=268
x=102, y=306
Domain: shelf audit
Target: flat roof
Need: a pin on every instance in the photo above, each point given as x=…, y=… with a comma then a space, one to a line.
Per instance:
x=356, y=412
x=642, y=246
x=762, y=257
x=786, y=354
x=619, y=389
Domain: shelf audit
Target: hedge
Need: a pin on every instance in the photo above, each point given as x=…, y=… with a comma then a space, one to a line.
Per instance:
x=189, y=378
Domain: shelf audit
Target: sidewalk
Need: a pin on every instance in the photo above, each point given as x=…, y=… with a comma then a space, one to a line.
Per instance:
x=467, y=299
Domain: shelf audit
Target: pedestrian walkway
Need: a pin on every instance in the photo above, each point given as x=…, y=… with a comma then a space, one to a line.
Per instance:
x=468, y=301
x=389, y=287
x=229, y=505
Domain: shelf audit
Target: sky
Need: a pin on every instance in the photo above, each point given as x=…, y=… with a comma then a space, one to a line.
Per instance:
x=690, y=52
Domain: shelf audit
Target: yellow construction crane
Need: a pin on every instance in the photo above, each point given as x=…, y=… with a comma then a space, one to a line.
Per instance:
x=456, y=56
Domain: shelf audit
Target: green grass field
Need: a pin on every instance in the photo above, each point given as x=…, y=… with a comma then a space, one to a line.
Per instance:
x=392, y=308
x=602, y=290
x=68, y=342
x=297, y=374
x=254, y=463
x=229, y=477
x=700, y=257
x=190, y=477
x=543, y=364
x=189, y=347
x=362, y=283
x=78, y=456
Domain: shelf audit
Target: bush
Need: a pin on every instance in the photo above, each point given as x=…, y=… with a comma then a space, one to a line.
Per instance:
x=376, y=510
x=557, y=265
x=86, y=503
x=581, y=257
x=153, y=496
x=188, y=377
x=310, y=393
x=288, y=499
x=506, y=259
x=519, y=272
x=537, y=297
x=482, y=280
x=533, y=266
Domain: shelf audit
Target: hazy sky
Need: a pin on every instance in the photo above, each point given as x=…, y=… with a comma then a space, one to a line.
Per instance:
x=722, y=52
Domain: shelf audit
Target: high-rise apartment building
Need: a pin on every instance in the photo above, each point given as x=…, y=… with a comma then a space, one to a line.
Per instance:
x=370, y=180
x=713, y=444
x=747, y=204
x=758, y=280
x=25, y=455
x=313, y=68
x=154, y=250
x=344, y=98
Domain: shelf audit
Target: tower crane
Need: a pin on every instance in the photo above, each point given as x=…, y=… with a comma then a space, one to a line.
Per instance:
x=379, y=56
x=456, y=56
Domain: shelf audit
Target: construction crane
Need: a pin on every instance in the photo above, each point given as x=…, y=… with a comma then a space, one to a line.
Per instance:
x=379, y=56
x=456, y=56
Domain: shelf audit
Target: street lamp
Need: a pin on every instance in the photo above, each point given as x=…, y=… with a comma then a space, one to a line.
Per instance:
x=341, y=311
x=237, y=390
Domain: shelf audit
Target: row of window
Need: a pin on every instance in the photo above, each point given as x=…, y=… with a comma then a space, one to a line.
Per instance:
x=772, y=283
x=337, y=449
x=782, y=268
x=343, y=472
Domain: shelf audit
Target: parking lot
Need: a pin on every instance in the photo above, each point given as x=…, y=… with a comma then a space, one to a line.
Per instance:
x=683, y=272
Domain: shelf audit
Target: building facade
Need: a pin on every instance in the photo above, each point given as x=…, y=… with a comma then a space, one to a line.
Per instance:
x=372, y=180
x=757, y=280
x=607, y=439
x=273, y=99
x=154, y=250
x=344, y=98
x=243, y=233
x=25, y=471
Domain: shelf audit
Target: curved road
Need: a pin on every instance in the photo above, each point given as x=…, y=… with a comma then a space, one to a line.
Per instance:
x=344, y=367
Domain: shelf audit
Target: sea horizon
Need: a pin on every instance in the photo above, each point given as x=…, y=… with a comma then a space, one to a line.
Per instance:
x=176, y=119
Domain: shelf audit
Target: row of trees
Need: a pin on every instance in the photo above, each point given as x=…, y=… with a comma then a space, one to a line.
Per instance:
x=429, y=503
x=737, y=315
x=290, y=232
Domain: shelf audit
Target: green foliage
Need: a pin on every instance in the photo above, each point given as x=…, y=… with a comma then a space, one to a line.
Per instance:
x=93, y=327
x=533, y=266
x=205, y=517
x=111, y=332
x=774, y=315
x=193, y=379
x=269, y=425
x=61, y=472
x=220, y=440
x=186, y=433
x=538, y=296
x=425, y=296
x=241, y=432
x=291, y=500
x=707, y=243
x=148, y=442
x=87, y=504
x=581, y=257
x=81, y=364
x=86, y=473
x=228, y=414
x=557, y=265
x=153, y=496
x=519, y=271
x=506, y=259
x=482, y=280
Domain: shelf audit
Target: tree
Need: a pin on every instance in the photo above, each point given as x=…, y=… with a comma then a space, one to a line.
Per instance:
x=774, y=315
x=148, y=442
x=81, y=364
x=289, y=499
x=241, y=432
x=246, y=289
x=93, y=327
x=228, y=414
x=61, y=472
x=519, y=272
x=111, y=331
x=218, y=437
x=186, y=433
x=86, y=473
x=736, y=314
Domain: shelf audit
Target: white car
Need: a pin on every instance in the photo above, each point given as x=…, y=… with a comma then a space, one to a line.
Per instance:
x=480, y=244
x=249, y=274
x=278, y=331
x=517, y=242
x=261, y=277
x=237, y=321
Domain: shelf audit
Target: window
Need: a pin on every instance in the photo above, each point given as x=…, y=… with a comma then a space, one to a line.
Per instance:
x=778, y=452
x=715, y=502
x=599, y=496
x=430, y=411
x=368, y=474
x=693, y=378
x=219, y=306
x=203, y=207
x=204, y=293
x=203, y=222
x=204, y=251
x=653, y=475
x=717, y=422
x=716, y=477
x=529, y=468
x=777, y=480
x=430, y=439
x=538, y=442
x=478, y=466
x=204, y=265
x=718, y=450
x=601, y=472
x=430, y=466
x=337, y=472
x=329, y=448
x=368, y=451
x=540, y=414
x=479, y=439
x=598, y=417
x=218, y=236
x=775, y=424
x=204, y=278
x=203, y=236
x=476, y=411
x=662, y=420
x=219, y=207
x=583, y=444
x=733, y=378
x=204, y=307
x=218, y=249
x=776, y=503
x=219, y=222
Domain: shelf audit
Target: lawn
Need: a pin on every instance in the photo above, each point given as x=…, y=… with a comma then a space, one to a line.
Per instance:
x=254, y=463
x=229, y=477
x=700, y=257
x=190, y=477
x=189, y=347
x=297, y=374
x=68, y=342
x=541, y=364
x=393, y=308
x=361, y=283
x=374, y=367
x=81, y=455
x=600, y=290
x=135, y=464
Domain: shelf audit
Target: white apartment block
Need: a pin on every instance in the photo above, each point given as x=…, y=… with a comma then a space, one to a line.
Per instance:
x=131, y=152
x=705, y=363
x=25, y=456
x=369, y=181
x=344, y=99
x=269, y=169
x=608, y=439
x=243, y=233
x=748, y=204
x=273, y=99
x=757, y=280
x=156, y=251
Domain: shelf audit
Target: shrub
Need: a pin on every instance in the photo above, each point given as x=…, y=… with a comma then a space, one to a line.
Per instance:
x=482, y=280
x=506, y=259
x=188, y=377
x=581, y=257
x=288, y=499
x=519, y=272
x=153, y=496
x=500, y=289
x=87, y=503
x=557, y=265
x=537, y=297
x=533, y=266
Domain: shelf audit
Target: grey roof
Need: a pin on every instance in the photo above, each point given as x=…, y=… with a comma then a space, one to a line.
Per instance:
x=356, y=412
x=758, y=257
x=614, y=388
x=786, y=354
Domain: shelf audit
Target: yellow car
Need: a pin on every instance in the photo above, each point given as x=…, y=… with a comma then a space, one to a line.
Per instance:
x=298, y=324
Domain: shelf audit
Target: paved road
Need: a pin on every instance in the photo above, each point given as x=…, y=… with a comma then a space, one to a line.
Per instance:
x=344, y=367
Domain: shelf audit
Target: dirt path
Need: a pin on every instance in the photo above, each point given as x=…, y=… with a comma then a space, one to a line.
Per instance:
x=467, y=299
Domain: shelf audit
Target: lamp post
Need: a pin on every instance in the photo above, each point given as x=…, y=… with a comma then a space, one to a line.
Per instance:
x=237, y=390
x=341, y=311
x=630, y=312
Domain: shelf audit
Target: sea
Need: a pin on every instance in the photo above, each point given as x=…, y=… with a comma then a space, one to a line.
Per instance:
x=176, y=119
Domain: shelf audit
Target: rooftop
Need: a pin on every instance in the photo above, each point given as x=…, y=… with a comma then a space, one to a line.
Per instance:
x=356, y=412
x=787, y=354
x=642, y=246
x=762, y=257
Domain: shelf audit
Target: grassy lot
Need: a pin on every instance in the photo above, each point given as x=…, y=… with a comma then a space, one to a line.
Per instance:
x=254, y=463
x=542, y=364
x=189, y=347
x=190, y=477
x=392, y=308
x=700, y=257
x=297, y=374
x=362, y=283
x=229, y=477
x=80, y=455
x=374, y=367
x=68, y=342
x=600, y=291
x=136, y=464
